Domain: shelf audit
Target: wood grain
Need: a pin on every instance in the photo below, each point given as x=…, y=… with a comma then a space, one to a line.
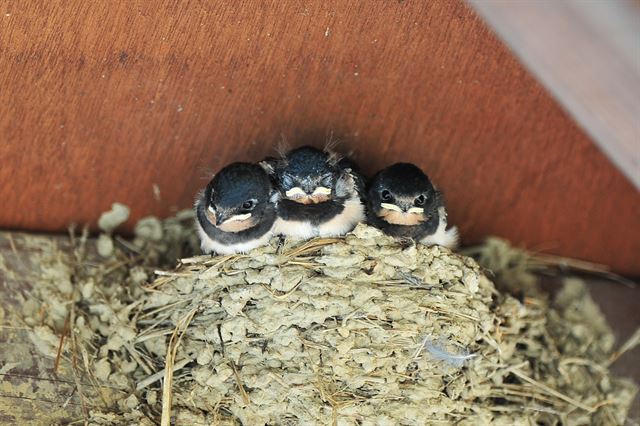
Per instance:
x=32, y=392
x=588, y=56
x=102, y=102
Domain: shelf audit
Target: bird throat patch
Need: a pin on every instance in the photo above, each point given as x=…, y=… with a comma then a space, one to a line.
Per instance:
x=233, y=224
x=237, y=224
x=320, y=195
x=400, y=218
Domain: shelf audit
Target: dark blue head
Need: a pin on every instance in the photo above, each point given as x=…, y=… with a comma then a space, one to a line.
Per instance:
x=402, y=194
x=308, y=175
x=237, y=196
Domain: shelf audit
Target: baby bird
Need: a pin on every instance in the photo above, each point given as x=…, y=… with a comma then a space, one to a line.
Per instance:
x=402, y=202
x=320, y=194
x=236, y=212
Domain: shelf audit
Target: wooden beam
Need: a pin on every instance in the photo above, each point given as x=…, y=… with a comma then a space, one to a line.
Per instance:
x=108, y=102
x=587, y=54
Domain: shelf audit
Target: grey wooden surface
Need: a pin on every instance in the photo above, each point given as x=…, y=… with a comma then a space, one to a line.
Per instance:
x=31, y=393
x=587, y=55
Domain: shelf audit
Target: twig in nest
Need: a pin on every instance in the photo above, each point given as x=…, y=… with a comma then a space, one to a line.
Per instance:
x=631, y=343
x=174, y=342
x=78, y=248
x=436, y=309
x=68, y=400
x=580, y=361
x=498, y=255
x=65, y=331
x=207, y=260
x=159, y=375
x=284, y=295
x=504, y=391
x=310, y=246
x=91, y=376
x=127, y=245
x=171, y=274
x=12, y=243
x=553, y=392
x=355, y=311
x=134, y=354
x=243, y=392
x=303, y=264
x=74, y=367
x=198, y=260
x=411, y=279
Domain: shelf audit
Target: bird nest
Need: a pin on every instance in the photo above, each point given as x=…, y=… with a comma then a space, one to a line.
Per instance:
x=360, y=330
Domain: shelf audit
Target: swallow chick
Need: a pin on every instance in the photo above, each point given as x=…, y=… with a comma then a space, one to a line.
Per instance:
x=236, y=212
x=320, y=194
x=403, y=202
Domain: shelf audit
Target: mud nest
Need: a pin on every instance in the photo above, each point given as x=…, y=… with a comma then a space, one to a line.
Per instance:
x=360, y=330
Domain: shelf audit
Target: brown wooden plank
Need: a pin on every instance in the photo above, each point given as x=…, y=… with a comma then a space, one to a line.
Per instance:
x=102, y=101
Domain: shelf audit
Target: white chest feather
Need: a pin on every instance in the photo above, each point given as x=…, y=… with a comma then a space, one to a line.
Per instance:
x=443, y=237
x=351, y=215
x=295, y=228
x=209, y=245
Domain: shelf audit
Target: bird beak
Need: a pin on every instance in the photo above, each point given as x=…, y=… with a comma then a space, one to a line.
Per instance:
x=236, y=218
x=389, y=206
x=212, y=215
x=396, y=208
x=226, y=223
x=295, y=193
x=219, y=218
x=319, y=195
x=397, y=215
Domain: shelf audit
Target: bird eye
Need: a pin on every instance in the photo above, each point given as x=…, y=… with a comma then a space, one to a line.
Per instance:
x=248, y=205
x=419, y=201
x=385, y=195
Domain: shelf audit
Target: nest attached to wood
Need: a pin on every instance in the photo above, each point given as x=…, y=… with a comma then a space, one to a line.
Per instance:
x=360, y=330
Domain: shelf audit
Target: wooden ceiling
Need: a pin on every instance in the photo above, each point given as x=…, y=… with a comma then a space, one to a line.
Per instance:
x=139, y=102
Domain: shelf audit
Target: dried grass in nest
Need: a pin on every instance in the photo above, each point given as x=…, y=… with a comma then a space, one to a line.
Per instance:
x=358, y=330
